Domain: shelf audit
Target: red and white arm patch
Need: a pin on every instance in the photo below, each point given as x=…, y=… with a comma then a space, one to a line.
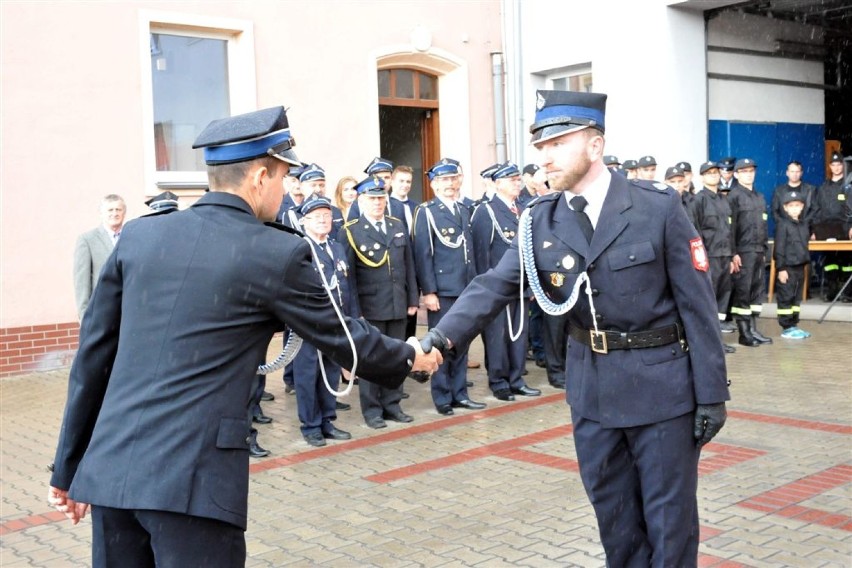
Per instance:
x=699, y=255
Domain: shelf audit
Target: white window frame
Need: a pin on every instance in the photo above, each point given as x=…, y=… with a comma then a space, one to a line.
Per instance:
x=242, y=82
x=568, y=72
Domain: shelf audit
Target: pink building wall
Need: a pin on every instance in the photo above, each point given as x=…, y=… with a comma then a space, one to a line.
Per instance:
x=73, y=128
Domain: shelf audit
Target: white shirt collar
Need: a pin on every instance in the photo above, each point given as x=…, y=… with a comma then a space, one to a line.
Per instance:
x=595, y=194
x=508, y=202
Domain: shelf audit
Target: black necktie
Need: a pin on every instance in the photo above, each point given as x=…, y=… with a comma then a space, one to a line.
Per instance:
x=380, y=227
x=578, y=203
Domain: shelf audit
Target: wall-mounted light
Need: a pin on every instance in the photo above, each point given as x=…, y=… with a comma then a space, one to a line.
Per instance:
x=421, y=38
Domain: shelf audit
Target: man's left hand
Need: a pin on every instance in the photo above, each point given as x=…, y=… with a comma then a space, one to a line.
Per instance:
x=58, y=498
x=709, y=419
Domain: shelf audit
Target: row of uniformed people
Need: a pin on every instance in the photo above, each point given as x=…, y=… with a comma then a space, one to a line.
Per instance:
x=381, y=265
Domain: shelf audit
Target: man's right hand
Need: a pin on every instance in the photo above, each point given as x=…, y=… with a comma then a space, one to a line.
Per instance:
x=431, y=302
x=424, y=363
x=58, y=498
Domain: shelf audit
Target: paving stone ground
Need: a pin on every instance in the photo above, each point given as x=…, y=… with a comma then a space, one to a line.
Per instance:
x=497, y=487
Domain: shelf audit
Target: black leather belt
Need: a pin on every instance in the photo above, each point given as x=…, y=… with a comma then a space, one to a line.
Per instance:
x=604, y=341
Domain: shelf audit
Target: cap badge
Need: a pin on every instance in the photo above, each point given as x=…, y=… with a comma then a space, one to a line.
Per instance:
x=539, y=102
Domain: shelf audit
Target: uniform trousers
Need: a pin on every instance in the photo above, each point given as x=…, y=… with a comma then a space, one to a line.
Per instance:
x=720, y=275
x=449, y=382
x=536, y=334
x=132, y=538
x=505, y=359
x=748, y=285
x=375, y=400
x=642, y=482
x=316, y=406
x=789, y=296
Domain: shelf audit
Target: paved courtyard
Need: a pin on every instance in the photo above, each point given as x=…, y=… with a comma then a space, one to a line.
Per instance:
x=497, y=487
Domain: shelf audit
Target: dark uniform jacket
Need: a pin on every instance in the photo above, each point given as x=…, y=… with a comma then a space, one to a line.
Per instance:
x=829, y=203
x=791, y=243
x=782, y=190
x=383, y=267
x=338, y=275
x=442, y=269
x=643, y=276
x=711, y=215
x=490, y=240
x=748, y=220
x=157, y=415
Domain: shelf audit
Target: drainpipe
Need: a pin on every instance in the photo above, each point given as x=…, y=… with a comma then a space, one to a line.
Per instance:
x=499, y=106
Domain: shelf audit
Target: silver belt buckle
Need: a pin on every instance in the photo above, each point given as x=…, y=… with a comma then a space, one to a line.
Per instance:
x=598, y=341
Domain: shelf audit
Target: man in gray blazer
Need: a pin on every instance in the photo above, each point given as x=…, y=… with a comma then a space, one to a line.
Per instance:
x=94, y=247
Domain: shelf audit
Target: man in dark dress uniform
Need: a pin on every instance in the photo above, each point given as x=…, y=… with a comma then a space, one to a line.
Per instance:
x=493, y=227
x=156, y=428
x=378, y=249
x=316, y=404
x=646, y=371
x=443, y=256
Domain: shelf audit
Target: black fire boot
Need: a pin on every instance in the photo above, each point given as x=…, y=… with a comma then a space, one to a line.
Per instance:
x=759, y=337
x=746, y=337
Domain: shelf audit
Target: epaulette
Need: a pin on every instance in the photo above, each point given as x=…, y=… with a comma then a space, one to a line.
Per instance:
x=653, y=186
x=394, y=218
x=544, y=199
x=285, y=228
x=351, y=222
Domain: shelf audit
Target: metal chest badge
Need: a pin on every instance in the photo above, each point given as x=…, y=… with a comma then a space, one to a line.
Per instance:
x=557, y=279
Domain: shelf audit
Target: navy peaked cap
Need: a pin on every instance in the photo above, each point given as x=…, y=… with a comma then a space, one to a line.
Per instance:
x=379, y=165
x=647, y=161
x=673, y=171
x=611, y=161
x=315, y=203
x=372, y=185
x=164, y=200
x=248, y=136
x=506, y=170
x=487, y=172
x=630, y=164
x=561, y=112
x=744, y=163
x=312, y=172
x=445, y=167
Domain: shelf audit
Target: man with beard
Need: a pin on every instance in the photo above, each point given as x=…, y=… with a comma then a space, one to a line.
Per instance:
x=647, y=380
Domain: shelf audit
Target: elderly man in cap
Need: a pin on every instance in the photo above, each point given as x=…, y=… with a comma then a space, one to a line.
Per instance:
x=381, y=168
x=493, y=227
x=312, y=184
x=378, y=251
x=443, y=256
x=646, y=372
x=156, y=429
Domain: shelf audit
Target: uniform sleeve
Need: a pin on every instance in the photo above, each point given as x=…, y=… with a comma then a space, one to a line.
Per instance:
x=481, y=230
x=781, y=244
x=696, y=305
x=352, y=277
x=423, y=256
x=303, y=305
x=90, y=373
x=486, y=295
x=412, y=292
x=82, y=275
x=735, y=213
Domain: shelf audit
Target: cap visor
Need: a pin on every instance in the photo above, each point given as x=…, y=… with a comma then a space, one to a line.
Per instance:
x=288, y=156
x=549, y=132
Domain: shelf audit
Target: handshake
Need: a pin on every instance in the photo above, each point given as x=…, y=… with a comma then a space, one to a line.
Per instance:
x=430, y=352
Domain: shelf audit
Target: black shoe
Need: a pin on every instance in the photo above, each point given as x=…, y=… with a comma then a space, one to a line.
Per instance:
x=746, y=337
x=541, y=362
x=399, y=417
x=315, y=439
x=376, y=422
x=469, y=404
x=526, y=391
x=289, y=389
x=469, y=384
x=557, y=384
x=504, y=394
x=336, y=434
x=342, y=406
x=261, y=419
x=256, y=451
x=525, y=373
x=267, y=396
x=445, y=409
x=404, y=395
x=729, y=348
x=727, y=327
x=759, y=337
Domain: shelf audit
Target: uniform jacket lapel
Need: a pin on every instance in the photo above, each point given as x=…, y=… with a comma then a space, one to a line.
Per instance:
x=566, y=228
x=612, y=220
